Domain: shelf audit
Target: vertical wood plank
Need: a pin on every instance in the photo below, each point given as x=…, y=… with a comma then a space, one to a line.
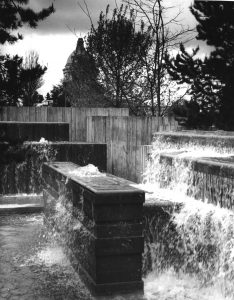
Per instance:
x=108, y=134
x=3, y=113
x=32, y=116
x=131, y=148
x=67, y=118
x=89, y=129
x=73, y=124
x=59, y=115
x=138, y=148
x=50, y=114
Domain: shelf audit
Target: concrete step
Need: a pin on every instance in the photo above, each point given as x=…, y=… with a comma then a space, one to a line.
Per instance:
x=21, y=204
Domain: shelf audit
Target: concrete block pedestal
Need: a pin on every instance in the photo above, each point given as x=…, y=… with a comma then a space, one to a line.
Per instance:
x=107, y=242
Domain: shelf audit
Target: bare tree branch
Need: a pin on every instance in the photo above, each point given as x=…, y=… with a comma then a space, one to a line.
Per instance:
x=155, y=15
x=86, y=11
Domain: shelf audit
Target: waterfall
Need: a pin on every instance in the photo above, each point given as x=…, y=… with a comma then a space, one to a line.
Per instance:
x=191, y=247
x=21, y=167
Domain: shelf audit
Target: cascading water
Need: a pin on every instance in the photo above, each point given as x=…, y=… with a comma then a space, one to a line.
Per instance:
x=191, y=254
x=21, y=166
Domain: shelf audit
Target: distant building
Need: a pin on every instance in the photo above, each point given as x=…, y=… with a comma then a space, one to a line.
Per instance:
x=80, y=83
x=79, y=51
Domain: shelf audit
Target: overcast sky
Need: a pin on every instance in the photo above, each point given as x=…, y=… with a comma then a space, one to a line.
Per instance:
x=54, y=38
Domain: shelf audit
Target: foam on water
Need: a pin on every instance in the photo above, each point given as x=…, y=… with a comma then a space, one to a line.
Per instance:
x=89, y=170
x=172, y=286
x=41, y=141
x=53, y=256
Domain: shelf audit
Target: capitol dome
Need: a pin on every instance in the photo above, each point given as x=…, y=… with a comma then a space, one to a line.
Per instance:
x=70, y=58
x=80, y=50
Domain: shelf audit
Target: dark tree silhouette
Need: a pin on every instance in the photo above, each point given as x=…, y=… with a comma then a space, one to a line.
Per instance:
x=19, y=80
x=204, y=89
x=57, y=94
x=211, y=79
x=10, y=89
x=14, y=14
x=31, y=78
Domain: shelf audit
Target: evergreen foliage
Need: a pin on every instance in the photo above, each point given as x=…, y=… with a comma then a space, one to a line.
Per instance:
x=31, y=74
x=211, y=79
x=10, y=90
x=19, y=81
x=58, y=96
x=14, y=14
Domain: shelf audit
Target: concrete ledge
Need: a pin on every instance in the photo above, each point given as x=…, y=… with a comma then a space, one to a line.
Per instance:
x=21, y=204
x=214, y=138
x=7, y=209
x=22, y=199
x=220, y=166
x=107, y=242
x=212, y=178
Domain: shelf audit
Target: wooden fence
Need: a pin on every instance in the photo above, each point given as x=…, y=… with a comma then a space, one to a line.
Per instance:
x=76, y=117
x=124, y=135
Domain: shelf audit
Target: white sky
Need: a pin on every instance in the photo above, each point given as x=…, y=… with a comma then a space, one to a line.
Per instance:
x=54, y=42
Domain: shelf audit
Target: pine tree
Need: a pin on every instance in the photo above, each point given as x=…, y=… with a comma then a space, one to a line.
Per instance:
x=204, y=88
x=58, y=95
x=216, y=27
x=19, y=81
x=212, y=84
x=31, y=77
x=10, y=86
x=14, y=14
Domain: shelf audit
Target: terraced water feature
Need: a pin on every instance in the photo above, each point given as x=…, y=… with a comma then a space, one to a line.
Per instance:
x=187, y=226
